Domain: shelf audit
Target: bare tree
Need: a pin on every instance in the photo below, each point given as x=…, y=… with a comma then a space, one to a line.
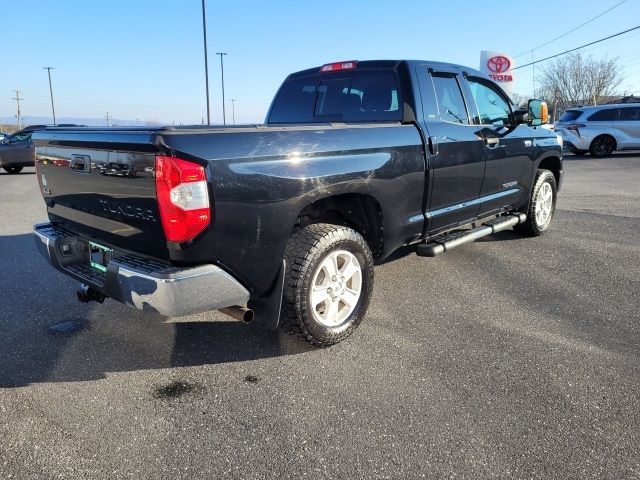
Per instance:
x=519, y=100
x=573, y=80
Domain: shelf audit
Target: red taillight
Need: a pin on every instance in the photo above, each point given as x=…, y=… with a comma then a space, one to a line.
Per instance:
x=575, y=127
x=183, y=198
x=335, y=67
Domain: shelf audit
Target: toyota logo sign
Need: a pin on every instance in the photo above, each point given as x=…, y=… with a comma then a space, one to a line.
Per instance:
x=498, y=64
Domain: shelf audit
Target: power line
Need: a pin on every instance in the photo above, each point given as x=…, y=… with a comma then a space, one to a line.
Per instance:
x=608, y=43
x=577, y=48
x=571, y=31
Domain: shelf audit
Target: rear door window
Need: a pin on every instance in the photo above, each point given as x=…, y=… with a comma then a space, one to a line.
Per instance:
x=451, y=106
x=604, y=115
x=361, y=95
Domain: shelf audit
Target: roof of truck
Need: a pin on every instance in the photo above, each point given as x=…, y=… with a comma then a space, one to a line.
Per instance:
x=387, y=64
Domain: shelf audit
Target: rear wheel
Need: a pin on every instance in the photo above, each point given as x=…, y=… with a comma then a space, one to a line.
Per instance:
x=329, y=280
x=602, y=146
x=13, y=170
x=542, y=205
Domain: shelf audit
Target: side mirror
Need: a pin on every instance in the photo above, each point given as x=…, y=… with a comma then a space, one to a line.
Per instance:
x=538, y=112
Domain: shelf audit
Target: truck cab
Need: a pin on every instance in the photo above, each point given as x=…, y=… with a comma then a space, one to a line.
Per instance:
x=480, y=156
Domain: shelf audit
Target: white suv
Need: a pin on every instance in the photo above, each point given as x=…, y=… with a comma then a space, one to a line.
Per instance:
x=600, y=130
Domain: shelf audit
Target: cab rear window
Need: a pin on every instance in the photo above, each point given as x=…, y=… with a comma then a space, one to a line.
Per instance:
x=354, y=96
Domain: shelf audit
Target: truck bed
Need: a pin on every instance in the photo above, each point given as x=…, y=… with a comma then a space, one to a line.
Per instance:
x=259, y=177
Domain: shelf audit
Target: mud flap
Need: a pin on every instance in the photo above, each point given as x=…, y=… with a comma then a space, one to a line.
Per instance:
x=267, y=309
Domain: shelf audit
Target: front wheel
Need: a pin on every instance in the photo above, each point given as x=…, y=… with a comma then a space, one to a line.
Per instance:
x=13, y=170
x=329, y=280
x=542, y=205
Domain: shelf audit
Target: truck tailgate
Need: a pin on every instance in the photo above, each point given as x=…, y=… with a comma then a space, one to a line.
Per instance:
x=100, y=183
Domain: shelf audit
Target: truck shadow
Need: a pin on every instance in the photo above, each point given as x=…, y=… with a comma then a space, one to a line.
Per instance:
x=411, y=249
x=46, y=335
x=587, y=156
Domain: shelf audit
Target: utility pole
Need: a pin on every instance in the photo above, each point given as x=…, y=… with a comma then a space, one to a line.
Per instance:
x=53, y=110
x=19, y=115
x=107, y=116
x=222, y=54
x=233, y=109
x=206, y=65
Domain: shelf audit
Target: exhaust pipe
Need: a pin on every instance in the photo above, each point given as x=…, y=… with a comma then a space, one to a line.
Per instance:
x=243, y=314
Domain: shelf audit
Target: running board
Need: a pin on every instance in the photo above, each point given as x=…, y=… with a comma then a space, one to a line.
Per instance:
x=446, y=243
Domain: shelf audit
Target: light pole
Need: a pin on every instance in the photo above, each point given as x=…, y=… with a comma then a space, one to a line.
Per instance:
x=206, y=65
x=53, y=110
x=224, y=117
x=233, y=109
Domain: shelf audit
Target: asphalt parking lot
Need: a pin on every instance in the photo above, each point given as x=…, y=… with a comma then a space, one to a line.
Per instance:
x=510, y=357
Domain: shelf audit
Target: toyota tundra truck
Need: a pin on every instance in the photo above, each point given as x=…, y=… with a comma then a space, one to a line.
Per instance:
x=285, y=221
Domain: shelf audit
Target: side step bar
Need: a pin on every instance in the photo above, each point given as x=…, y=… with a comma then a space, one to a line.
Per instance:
x=454, y=240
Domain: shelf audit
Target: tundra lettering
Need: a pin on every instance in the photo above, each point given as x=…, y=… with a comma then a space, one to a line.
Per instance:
x=118, y=209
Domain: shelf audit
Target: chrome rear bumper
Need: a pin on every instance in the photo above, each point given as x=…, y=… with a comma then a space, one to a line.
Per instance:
x=140, y=282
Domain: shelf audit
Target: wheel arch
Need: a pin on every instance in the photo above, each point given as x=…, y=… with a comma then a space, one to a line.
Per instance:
x=357, y=210
x=611, y=136
x=552, y=163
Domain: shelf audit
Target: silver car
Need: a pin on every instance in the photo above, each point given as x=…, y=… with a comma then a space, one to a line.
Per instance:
x=601, y=129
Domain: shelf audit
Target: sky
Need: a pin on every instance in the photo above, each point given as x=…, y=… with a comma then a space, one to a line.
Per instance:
x=142, y=60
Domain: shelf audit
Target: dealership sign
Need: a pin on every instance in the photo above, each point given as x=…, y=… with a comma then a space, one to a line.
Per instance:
x=499, y=67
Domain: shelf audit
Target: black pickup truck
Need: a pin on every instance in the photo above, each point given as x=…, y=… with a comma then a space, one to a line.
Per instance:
x=286, y=220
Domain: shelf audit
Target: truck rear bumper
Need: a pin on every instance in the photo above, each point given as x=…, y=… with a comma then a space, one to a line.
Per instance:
x=140, y=282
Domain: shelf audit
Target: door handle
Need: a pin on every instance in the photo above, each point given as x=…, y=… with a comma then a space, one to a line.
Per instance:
x=433, y=145
x=492, y=141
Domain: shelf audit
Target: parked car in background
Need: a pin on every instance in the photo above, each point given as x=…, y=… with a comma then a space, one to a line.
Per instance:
x=3, y=135
x=600, y=130
x=17, y=152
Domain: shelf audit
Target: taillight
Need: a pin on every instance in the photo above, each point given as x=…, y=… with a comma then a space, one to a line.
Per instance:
x=335, y=67
x=575, y=127
x=183, y=198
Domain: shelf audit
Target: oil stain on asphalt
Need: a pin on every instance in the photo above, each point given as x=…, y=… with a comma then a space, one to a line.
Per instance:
x=175, y=389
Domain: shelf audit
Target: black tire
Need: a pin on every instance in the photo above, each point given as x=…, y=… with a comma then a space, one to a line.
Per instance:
x=306, y=250
x=602, y=146
x=13, y=170
x=531, y=227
